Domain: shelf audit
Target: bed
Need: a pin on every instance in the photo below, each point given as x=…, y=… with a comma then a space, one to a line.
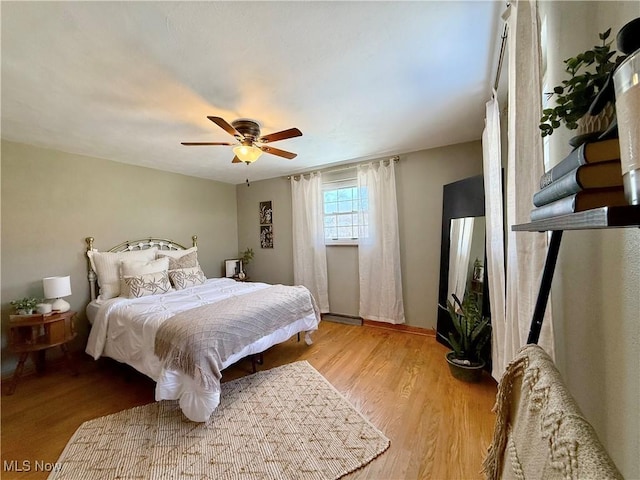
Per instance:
x=153, y=309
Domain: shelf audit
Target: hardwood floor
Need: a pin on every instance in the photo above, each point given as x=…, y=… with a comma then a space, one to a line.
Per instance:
x=439, y=428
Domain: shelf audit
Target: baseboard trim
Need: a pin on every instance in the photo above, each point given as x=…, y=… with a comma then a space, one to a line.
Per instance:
x=427, y=332
x=340, y=318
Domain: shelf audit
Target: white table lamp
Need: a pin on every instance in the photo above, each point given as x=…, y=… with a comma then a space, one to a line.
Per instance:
x=58, y=287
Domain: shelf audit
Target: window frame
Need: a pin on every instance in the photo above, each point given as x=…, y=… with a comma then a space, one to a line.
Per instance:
x=336, y=185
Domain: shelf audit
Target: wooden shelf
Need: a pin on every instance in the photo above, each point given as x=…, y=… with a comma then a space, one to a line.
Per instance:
x=604, y=217
x=597, y=218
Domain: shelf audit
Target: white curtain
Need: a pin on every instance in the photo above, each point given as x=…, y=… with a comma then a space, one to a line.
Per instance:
x=526, y=250
x=309, y=253
x=379, y=245
x=460, y=249
x=492, y=167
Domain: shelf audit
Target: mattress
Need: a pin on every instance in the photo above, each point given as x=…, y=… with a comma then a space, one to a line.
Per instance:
x=124, y=329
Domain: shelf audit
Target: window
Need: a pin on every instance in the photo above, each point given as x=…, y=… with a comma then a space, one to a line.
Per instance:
x=342, y=204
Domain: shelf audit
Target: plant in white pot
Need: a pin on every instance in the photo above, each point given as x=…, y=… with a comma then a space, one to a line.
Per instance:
x=25, y=306
x=471, y=333
x=246, y=257
x=580, y=99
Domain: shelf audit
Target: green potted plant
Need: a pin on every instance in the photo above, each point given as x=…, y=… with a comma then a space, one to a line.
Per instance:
x=25, y=306
x=589, y=76
x=246, y=257
x=471, y=333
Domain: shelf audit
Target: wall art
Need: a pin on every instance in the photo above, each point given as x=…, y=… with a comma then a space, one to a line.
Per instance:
x=266, y=236
x=266, y=213
x=266, y=224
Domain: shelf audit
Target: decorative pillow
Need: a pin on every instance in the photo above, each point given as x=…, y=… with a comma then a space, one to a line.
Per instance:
x=177, y=253
x=137, y=268
x=189, y=260
x=187, y=277
x=107, y=268
x=147, y=284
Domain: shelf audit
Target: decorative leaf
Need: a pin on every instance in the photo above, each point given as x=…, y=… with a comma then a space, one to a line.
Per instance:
x=608, y=57
x=455, y=346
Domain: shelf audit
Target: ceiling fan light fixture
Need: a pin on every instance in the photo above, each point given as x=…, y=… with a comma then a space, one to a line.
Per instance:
x=247, y=153
x=247, y=133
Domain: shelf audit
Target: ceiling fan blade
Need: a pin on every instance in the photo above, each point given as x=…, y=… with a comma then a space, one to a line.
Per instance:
x=277, y=151
x=284, y=134
x=191, y=144
x=236, y=160
x=222, y=123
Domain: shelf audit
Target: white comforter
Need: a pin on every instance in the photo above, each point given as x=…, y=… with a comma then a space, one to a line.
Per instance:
x=125, y=329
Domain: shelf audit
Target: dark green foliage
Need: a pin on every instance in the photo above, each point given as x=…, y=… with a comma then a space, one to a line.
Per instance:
x=246, y=256
x=472, y=330
x=588, y=74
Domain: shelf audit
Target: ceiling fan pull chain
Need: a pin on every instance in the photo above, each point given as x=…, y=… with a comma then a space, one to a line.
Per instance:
x=247, y=181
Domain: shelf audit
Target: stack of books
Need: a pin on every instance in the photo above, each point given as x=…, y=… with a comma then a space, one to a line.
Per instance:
x=589, y=177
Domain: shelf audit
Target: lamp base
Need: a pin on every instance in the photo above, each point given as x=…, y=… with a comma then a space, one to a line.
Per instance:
x=60, y=305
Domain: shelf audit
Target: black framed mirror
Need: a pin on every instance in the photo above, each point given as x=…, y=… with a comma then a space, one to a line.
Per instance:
x=463, y=217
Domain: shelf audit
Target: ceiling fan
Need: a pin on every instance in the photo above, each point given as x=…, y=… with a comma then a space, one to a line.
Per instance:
x=250, y=144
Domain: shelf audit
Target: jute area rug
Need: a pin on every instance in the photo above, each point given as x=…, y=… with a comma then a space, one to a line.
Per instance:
x=284, y=423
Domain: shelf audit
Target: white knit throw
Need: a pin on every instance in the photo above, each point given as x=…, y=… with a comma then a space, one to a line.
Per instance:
x=540, y=433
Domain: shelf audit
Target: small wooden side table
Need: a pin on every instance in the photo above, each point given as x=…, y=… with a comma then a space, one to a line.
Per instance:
x=33, y=334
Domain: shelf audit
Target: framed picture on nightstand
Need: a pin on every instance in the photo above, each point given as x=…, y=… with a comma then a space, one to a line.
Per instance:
x=232, y=267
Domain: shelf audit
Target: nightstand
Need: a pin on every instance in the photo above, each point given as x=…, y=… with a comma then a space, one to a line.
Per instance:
x=33, y=334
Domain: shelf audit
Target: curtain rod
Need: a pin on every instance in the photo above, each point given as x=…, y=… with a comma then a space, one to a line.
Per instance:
x=501, y=56
x=395, y=159
x=503, y=44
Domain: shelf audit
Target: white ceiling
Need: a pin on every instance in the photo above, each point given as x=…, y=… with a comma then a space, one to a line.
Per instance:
x=129, y=81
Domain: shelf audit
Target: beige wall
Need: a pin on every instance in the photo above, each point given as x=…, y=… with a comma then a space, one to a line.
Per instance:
x=420, y=177
x=596, y=290
x=271, y=265
x=52, y=200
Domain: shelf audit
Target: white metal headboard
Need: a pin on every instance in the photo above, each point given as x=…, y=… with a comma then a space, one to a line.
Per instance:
x=143, y=244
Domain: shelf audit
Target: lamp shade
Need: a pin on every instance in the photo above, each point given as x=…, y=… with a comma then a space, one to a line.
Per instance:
x=247, y=153
x=56, y=287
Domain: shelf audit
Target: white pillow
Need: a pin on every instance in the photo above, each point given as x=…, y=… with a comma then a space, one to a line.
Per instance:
x=146, y=284
x=141, y=269
x=177, y=253
x=107, y=268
